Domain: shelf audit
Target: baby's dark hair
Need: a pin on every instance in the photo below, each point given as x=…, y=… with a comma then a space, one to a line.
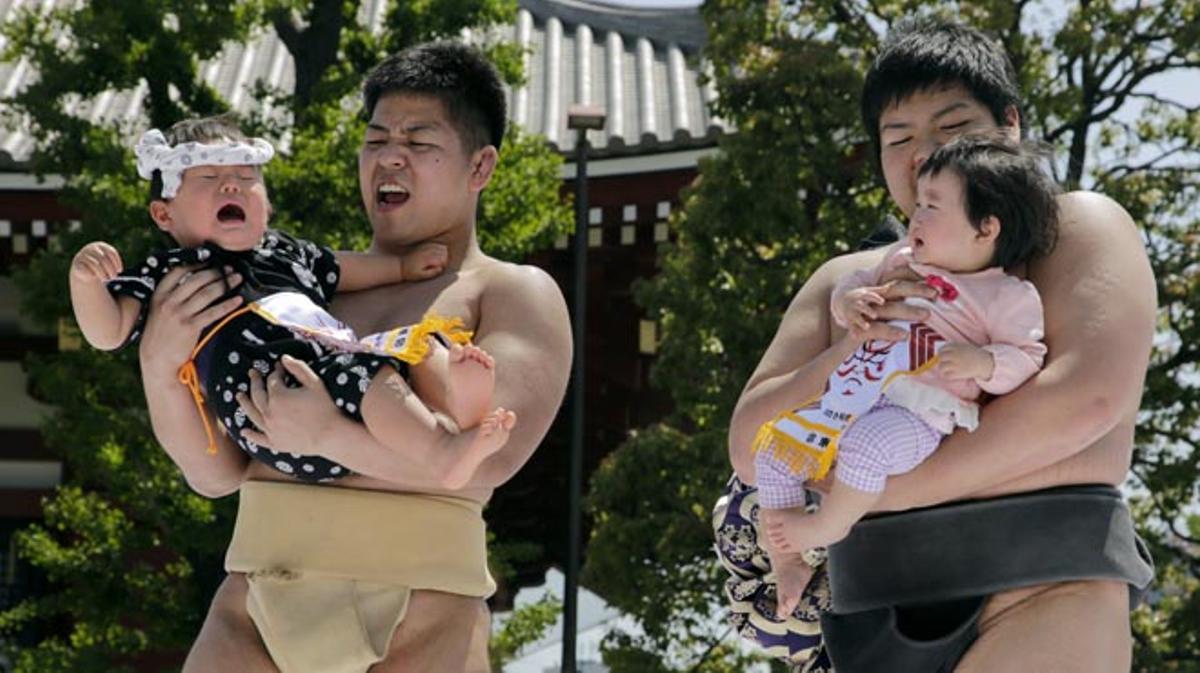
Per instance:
x=199, y=130
x=1003, y=179
x=925, y=53
x=458, y=75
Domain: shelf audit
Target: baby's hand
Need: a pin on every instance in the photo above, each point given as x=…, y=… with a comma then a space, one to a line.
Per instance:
x=424, y=261
x=857, y=308
x=965, y=361
x=96, y=262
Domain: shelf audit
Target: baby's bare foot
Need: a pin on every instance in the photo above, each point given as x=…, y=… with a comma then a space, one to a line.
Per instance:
x=791, y=576
x=470, y=380
x=475, y=445
x=785, y=528
x=500, y=420
x=474, y=353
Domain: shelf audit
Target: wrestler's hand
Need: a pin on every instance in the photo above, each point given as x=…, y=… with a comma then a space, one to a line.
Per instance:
x=893, y=293
x=289, y=418
x=965, y=361
x=180, y=308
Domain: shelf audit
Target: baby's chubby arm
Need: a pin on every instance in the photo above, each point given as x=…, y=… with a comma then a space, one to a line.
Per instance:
x=362, y=270
x=1016, y=329
x=105, y=320
x=1015, y=351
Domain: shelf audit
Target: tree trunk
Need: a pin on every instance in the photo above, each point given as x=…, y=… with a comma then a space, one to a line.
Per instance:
x=314, y=48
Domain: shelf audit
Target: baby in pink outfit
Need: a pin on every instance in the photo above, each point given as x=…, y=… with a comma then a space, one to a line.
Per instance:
x=983, y=205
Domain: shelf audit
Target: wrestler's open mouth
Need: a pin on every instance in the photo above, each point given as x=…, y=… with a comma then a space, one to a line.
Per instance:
x=231, y=212
x=391, y=195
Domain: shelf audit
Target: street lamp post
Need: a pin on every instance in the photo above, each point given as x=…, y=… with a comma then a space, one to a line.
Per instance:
x=581, y=118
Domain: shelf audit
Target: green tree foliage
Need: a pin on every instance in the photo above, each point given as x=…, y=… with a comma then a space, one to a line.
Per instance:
x=526, y=625
x=131, y=554
x=797, y=185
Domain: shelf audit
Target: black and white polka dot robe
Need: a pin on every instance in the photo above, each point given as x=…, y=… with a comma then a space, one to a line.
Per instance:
x=280, y=264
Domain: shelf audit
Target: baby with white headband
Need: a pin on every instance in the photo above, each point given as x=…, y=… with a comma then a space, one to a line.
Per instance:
x=208, y=195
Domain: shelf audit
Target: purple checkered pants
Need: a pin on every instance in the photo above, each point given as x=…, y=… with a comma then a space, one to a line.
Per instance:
x=886, y=440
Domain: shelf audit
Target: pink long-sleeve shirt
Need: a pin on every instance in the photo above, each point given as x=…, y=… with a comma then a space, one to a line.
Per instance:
x=994, y=310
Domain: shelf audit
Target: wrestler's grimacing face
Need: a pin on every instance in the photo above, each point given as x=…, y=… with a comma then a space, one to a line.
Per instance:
x=911, y=129
x=415, y=176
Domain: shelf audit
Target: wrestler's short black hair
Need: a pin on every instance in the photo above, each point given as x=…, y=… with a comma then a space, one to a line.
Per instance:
x=459, y=75
x=1004, y=179
x=927, y=53
x=198, y=130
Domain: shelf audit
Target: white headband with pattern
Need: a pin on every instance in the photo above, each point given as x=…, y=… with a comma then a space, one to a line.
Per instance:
x=155, y=154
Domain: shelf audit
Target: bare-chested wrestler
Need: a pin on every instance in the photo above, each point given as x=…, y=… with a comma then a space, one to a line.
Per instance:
x=381, y=570
x=1037, y=571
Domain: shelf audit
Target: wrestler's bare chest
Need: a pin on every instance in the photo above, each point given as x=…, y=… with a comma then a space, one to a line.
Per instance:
x=456, y=294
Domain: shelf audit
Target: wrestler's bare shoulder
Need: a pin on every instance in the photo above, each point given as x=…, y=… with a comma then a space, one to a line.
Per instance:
x=1092, y=225
x=522, y=283
x=1098, y=262
x=836, y=267
x=1093, y=210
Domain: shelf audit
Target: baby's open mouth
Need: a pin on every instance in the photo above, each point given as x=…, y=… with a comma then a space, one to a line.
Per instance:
x=392, y=194
x=231, y=213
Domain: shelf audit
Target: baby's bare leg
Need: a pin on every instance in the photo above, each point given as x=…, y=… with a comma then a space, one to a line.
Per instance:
x=792, y=574
x=397, y=418
x=793, y=530
x=470, y=378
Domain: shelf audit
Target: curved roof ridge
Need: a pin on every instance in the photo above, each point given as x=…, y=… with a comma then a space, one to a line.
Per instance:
x=681, y=25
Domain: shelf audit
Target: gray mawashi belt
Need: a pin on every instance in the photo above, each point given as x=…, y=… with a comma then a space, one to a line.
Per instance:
x=981, y=547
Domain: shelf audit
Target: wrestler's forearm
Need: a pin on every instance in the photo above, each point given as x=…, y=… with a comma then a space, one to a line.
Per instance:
x=762, y=400
x=1021, y=434
x=179, y=429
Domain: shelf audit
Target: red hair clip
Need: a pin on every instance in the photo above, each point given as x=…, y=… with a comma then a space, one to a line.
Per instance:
x=945, y=290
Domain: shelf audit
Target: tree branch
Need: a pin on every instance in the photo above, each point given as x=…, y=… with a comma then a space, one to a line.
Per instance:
x=1164, y=514
x=1127, y=169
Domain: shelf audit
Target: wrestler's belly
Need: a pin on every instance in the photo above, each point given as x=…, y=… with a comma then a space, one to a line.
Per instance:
x=1106, y=461
x=257, y=471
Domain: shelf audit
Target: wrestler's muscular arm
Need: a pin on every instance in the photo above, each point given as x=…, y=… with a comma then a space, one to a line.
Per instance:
x=177, y=315
x=803, y=353
x=1073, y=421
x=524, y=325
